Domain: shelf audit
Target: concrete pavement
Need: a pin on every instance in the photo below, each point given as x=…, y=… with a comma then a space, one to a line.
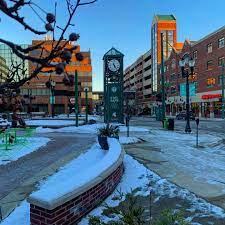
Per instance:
x=19, y=178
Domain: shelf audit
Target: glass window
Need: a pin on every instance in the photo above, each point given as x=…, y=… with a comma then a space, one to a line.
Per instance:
x=210, y=65
x=209, y=48
x=221, y=43
x=220, y=79
x=173, y=64
x=173, y=76
x=195, y=54
x=221, y=61
x=211, y=82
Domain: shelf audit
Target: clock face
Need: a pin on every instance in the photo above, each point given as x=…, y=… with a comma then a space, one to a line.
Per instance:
x=114, y=65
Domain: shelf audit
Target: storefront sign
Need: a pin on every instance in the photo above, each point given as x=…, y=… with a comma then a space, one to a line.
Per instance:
x=211, y=96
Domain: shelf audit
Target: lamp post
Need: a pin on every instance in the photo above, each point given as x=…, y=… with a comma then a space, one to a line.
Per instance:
x=223, y=105
x=76, y=106
x=52, y=86
x=186, y=73
x=86, y=89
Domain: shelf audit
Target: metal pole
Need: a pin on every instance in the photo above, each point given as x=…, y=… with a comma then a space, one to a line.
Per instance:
x=76, y=106
x=52, y=101
x=188, y=128
x=86, y=100
x=163, y=79
x=197, y=138
x=223, y=106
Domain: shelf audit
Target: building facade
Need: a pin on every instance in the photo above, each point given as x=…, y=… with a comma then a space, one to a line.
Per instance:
x=205, y=84
x=62, y=98
x=98, y=101
x=167, y=25
x=3, y=69
x=12, y=59
x=138, y=78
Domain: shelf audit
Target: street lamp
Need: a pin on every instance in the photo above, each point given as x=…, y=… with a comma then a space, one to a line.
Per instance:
x=186, y=73
x=223, y=105
x=86, y=89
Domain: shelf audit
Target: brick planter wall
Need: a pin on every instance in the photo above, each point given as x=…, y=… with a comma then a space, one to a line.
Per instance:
x=72, y=211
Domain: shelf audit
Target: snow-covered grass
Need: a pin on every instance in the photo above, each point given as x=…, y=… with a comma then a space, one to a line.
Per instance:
x=21, y=149
x=129, y=140
x=87, y=129
x=135, y=176
x=80, y=171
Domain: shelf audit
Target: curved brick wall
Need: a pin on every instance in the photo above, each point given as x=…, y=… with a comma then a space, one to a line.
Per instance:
x=68, y=211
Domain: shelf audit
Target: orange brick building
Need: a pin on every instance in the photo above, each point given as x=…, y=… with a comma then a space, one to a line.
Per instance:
x=38, y=96
x=167, y=25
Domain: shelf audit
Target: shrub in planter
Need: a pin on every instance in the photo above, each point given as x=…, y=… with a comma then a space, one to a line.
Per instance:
x=107, y=131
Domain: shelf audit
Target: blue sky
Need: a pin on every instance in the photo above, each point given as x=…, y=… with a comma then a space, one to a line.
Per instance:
x=124, y=24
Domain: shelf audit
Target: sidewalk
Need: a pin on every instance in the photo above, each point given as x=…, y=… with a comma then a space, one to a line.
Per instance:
x=18, y=179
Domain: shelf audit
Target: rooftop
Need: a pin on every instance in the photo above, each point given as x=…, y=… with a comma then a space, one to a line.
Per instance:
x=165, y=17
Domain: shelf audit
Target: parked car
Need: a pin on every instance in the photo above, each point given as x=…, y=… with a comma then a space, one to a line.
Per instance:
x=4, y=123
x=182, y=115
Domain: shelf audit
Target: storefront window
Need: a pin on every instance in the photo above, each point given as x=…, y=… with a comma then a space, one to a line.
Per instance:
x=211, y=82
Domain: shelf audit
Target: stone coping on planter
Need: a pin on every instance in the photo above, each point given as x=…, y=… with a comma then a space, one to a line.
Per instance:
x=39, y=199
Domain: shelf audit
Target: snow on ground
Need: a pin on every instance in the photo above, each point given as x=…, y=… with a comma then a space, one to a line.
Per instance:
x=128, y=140
x=205, y=164
x=87, y=129
x=21, y=149
x=49, y=122
x=90, y=165
x=135, y=176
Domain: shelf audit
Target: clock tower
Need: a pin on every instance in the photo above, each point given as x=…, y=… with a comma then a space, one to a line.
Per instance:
x=113, y=86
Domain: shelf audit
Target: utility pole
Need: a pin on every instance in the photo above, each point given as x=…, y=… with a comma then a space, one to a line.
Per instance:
x=163, y=79
x=76, y=106
x=223, y=106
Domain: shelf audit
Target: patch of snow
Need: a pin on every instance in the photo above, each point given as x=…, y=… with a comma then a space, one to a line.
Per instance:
x=19, y=150
x=93, y=128
x=78, y=172
x=20, y=216
x=138, y=176
x=49, y=122
x=135, y=176
x=205, y=164
x=128, y=140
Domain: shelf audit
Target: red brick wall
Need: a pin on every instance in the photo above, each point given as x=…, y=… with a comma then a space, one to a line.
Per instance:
x=201, y=63
x=72, y=211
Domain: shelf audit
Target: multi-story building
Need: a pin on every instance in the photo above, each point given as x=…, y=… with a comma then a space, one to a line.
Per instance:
x=137, y=77
x=12, y=59
x=165, y=24
x=97, y=101
x=64, y=95
x=3, y=69
x=206, y=83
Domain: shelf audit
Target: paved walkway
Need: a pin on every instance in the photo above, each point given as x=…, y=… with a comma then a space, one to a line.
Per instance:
x=19, y=178
x=152, y=158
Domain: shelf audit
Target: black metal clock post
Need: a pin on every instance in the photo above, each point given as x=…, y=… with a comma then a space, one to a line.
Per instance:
x=113, y=86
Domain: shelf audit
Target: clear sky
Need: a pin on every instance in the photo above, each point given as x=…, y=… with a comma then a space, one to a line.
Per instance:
x=125, y=25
